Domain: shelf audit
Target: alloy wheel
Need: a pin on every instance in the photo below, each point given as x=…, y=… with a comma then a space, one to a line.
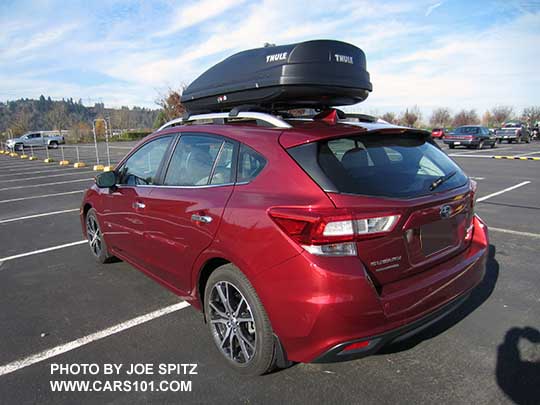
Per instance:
x=232, y=323
x=94, y=235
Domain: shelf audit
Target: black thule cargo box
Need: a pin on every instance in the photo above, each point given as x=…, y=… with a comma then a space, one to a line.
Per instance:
x=312, y=74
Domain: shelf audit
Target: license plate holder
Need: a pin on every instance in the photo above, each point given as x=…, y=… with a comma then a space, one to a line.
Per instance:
x=438, y=236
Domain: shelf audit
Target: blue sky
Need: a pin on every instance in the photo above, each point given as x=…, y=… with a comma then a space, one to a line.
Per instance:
x=460, y=54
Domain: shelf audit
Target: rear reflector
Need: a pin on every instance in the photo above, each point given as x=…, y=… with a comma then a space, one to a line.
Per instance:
x=356, y=346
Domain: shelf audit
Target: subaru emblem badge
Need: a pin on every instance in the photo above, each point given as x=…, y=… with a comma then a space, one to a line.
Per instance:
x=446, y=211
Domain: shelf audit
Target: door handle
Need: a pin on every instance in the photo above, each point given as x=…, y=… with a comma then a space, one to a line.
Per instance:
x=205, y=219
x=139, y=205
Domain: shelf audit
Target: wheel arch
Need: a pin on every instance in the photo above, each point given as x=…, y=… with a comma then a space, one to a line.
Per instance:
x=204, y=273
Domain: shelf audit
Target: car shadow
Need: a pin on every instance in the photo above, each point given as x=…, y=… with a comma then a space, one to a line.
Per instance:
x=477, y=297
x=519, y=379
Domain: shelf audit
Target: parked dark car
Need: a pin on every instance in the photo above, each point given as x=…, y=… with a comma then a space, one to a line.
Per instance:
x=470, y=136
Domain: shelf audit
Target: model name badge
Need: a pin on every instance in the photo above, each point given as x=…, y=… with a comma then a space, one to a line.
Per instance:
x=388, y=260
x=276, y=57
x=344, y=59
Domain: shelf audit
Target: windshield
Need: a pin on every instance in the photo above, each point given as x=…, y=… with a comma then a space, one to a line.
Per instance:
x=399, y=166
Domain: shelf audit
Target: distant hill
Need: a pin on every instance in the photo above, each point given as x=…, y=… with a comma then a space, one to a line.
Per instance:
x=19, y=116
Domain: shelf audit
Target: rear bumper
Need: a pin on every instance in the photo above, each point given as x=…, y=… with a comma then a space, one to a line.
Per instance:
x=337, y=353
x=465, y=142
x=317, y=306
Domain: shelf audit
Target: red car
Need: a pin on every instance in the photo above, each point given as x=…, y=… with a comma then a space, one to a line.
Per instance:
x=438, y=133
x=300, y=240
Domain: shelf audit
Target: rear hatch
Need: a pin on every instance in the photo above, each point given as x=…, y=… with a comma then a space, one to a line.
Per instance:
x=410, y=204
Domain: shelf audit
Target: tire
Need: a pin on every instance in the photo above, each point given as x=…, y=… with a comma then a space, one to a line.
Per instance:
x=18, y=147
x=493, y=144
x=252, y=341
x=451, y=146
x=53, y=145
x=99, y=248
x=480, y=145
x=500, y=141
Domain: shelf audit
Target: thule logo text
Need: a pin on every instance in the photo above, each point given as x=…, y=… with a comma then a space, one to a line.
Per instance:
x=276, y=57
x=344, y=59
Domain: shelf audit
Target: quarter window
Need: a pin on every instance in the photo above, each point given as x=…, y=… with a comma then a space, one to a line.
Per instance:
x=141, y=168
x=250, y=164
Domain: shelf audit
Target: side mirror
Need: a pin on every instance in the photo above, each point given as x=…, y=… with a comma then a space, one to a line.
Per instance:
x=106, y=180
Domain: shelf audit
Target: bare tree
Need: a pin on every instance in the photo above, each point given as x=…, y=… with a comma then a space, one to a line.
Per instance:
x=57, y=116
x=501, y=114
x=487, y=120
x=171, y=104
x=531, y=115
x=21, y=122
x=390, y=117
x=466, y=117
x=411, y=116
x=440, y=117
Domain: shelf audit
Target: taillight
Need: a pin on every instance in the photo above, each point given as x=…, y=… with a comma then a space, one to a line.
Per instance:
x=330, y=232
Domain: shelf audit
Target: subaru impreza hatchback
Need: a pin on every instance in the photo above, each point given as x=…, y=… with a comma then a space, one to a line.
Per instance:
x=301, y=240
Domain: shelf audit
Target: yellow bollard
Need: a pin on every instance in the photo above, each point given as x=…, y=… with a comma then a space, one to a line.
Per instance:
x=78, y=165
x=48, y=160
x=98, y=168
x=64, y=162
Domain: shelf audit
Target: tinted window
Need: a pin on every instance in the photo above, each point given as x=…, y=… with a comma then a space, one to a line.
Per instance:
x=250, y=164
x=466, y=131
x=141, y=168
x=200, y=160
x=385, y=165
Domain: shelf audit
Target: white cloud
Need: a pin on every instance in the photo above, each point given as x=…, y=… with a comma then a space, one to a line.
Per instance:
x=200, y=11
x=433, y=7
x=463, y=70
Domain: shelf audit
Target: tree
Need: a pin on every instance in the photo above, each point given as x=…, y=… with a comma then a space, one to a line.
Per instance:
x=531, y=115
x=390, y=117
x=99, y=126
x=171, y=104
x=487, y=120
x=57, y=117
x=466, y=117
x=21, y=122
x=411, y=116
x=501, y=114
x=440, y=118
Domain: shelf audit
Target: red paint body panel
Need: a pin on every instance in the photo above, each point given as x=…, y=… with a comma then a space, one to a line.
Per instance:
x=313, y=302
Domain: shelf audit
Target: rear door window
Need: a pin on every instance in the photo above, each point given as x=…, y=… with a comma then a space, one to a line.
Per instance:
x=397, y=166
x=200, y=160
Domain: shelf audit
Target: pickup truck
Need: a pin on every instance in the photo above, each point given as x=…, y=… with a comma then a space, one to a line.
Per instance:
x=38, y=138
x=513, y=132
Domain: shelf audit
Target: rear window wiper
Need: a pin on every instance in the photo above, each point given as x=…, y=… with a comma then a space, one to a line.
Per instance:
x=441, y=180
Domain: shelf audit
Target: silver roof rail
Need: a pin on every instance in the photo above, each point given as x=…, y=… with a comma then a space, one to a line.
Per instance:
x=270, y=119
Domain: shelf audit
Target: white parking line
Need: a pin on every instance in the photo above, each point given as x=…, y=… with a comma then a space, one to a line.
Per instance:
x=56, y=351
x=527, y=154
x=45, y=214
x=502, y=191
x=46, y=177
x=45, y=184
x=466, y=152
x=471, y=156
x=519, y=233
x=37, y=252
x=40, y=196
x=28, y=169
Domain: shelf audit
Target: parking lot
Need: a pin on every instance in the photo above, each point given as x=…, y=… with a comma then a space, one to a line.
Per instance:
x=59, y=306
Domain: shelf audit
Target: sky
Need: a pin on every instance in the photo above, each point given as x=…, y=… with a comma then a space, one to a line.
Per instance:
x=433, y=53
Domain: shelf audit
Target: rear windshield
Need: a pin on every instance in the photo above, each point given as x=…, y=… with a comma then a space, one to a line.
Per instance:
x=398, y=166
x=466, y=130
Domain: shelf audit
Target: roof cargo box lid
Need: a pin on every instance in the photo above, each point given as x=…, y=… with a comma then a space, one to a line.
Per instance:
x=320, y=73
